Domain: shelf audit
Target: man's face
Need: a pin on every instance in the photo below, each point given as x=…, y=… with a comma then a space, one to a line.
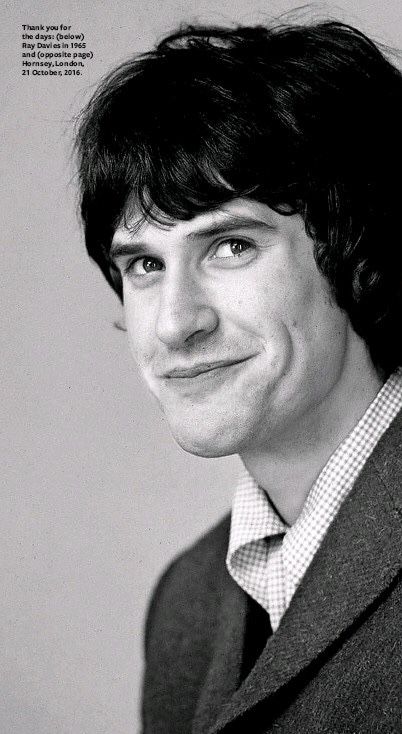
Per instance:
x=231, y=324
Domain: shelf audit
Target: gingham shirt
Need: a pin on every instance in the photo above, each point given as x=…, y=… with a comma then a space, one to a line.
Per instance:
x=266, y=557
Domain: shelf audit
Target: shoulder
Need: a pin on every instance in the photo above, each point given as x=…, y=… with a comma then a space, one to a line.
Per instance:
x=180, y=631
x=205, y=551
x=191, y=581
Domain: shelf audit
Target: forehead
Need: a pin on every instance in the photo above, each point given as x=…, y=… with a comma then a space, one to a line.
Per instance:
x=236, y=214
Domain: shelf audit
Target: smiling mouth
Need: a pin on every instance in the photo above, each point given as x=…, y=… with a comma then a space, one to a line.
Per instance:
x=202, y=369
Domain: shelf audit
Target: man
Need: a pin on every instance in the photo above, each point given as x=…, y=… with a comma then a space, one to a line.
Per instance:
x=241, y=193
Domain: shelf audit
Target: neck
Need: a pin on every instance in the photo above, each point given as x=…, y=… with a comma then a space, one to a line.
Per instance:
x=288, y=467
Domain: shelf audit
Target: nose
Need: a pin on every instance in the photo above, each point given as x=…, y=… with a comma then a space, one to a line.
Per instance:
x=185, y=312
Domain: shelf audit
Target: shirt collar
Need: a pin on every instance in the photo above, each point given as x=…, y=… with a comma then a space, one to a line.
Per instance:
x=254, y=517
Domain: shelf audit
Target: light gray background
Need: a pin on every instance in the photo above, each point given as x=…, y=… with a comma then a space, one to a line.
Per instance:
x=96, y=498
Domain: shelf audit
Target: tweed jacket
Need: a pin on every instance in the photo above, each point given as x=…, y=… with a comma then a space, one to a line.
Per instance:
x=335, y=663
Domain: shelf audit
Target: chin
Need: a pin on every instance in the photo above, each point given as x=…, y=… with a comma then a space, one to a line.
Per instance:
x=212, y=431
x=207, y=447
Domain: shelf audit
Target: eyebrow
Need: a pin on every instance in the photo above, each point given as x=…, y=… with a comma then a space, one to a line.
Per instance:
x=229, y=224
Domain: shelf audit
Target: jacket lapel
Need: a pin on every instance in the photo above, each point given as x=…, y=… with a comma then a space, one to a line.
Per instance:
x=358, y=559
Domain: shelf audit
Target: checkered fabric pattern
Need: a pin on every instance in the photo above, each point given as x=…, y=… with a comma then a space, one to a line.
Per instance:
x=266, y=557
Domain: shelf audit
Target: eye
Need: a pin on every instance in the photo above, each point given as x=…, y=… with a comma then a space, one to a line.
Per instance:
x=144, y=265
x=231, y=248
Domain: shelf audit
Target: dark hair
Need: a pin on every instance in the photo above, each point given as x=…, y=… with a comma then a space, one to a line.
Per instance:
x=306, y=119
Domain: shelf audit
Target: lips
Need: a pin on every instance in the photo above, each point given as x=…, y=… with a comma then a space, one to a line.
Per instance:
x=200, y=368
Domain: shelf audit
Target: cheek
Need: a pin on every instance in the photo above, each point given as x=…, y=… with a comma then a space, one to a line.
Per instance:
x=295, y=314
x=141, y=314
x=319, y=329
x=266, y=304
x=139, y=334
x=307, y=303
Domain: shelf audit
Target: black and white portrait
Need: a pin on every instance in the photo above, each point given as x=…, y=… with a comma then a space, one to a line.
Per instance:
x=203, y=389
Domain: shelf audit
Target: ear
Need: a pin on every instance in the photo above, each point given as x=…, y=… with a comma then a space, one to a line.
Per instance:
x=120, y=323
